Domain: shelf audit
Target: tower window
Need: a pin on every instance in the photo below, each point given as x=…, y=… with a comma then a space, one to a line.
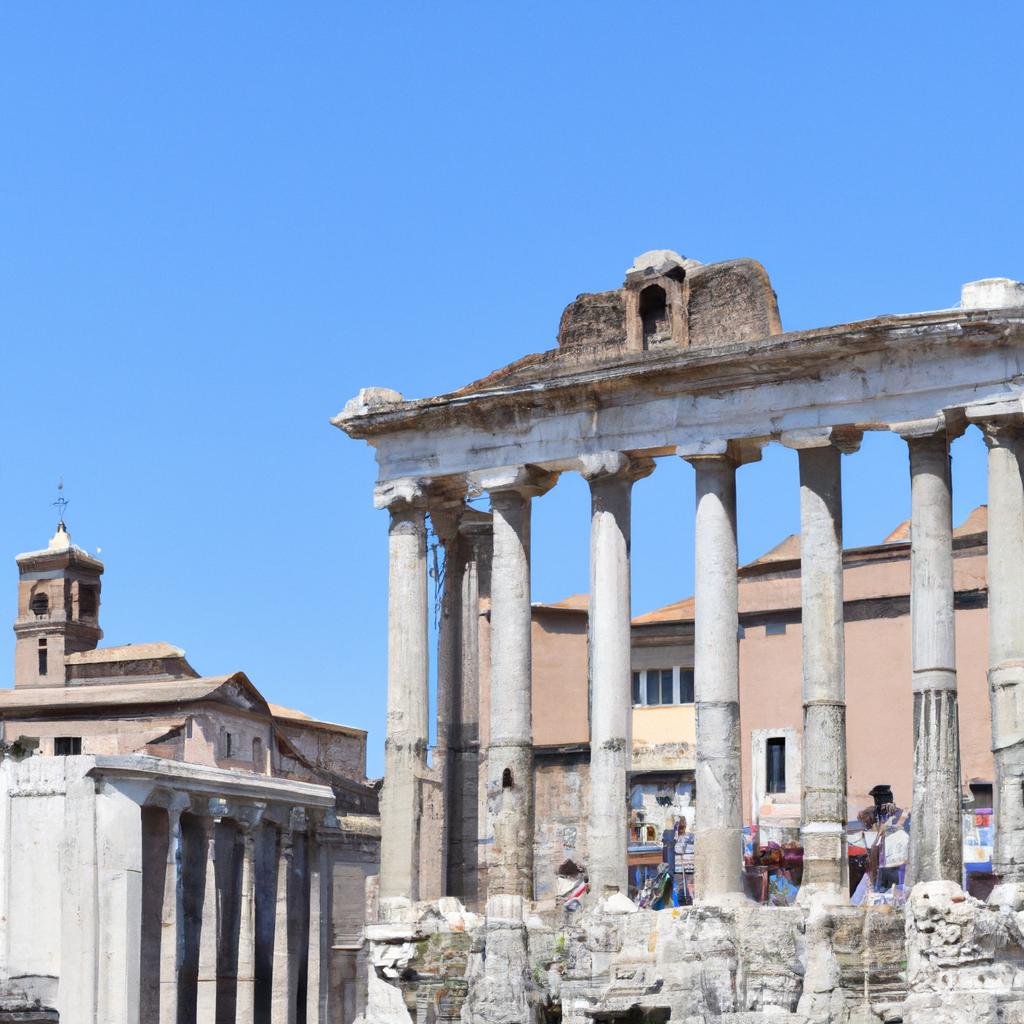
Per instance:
x=775, y=765
x=506, y=779
x=654, y=316
x=40, y=604
x=228, y=744
x=87, y=602
x=67, y=746
x=42, y=657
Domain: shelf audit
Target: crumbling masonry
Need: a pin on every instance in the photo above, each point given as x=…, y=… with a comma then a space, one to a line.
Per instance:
x=690, y=361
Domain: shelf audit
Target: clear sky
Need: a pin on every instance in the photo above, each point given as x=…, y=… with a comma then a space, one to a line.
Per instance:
x=218, y=221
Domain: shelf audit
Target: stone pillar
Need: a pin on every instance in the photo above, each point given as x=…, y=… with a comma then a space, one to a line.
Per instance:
x=282, y=1005
x=719, y=826
x=936, y=851
x=170, y=916
x=315, y=966
x=406, y=740
x=824, y=809
x=1005, y=442
x=474, y=546
x=245, y=999
x=611, y=476
x=206, y=987
x=510, y=750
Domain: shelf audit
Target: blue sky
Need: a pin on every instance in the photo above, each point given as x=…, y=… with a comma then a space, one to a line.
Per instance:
x=217, y=222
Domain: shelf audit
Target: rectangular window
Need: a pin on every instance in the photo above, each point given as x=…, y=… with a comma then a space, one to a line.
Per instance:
x=653, y=687
x=686, y=686
x=775, y=765
x=666, y=685
x=42, y=657
x=775, y=629
x=636, y=688
x=227, y=744
x=67, y=746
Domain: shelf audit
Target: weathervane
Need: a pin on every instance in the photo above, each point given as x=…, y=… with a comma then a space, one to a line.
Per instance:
x=60, y=504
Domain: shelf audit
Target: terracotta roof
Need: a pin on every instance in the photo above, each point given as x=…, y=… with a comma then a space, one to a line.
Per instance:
x=125, y=652
x=576, y=603
x=976, y=522
x=679, y=611
x=301, y=718
x=785, y=551
x=177, y=691
x=900, y=535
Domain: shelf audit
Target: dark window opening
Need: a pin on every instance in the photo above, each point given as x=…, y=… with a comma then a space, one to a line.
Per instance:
x=42, y=657
x=40, y=605
x=506, y=779
x=654, y=316
x=257, y=753
x=87, y=602
x=636, y=687
x=685, y=686
x=775, y=629
x=653, y=687
x=775, y=765
x=666, y=686
x=227, y=744
x=67, y=746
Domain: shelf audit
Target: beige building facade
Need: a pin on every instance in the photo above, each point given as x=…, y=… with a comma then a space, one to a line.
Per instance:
x=174, y=848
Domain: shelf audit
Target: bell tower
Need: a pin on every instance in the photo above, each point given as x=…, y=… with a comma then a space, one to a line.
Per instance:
x=58, y=609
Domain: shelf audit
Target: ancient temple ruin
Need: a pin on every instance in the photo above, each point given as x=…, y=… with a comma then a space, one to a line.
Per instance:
x=690, y=361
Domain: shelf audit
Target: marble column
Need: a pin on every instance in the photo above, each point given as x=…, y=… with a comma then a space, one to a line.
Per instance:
x=206, y=987
x=282, y=1005
x=170, y=917
x=936, y=850
x=474, y=547
x=245, y=999
x=315, y=975
x=1005, y=442
x=445, y=522
x=824, y=809
x=611, y=476
x=405, y=743
x=719, y=828
x=510, y=749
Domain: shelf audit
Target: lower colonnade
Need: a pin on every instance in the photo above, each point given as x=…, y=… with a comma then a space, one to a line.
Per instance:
x=935, y=850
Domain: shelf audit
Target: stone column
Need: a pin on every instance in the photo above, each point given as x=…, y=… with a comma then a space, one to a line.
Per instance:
x=719, y=826
x=245, y=999
x=170, y=916
x=510, y=750
x=611, y=476
x=1005, y=442
x=282, y=1005
x=315, y=968
x=824, y=809
x=936, y=852
x=474, y=545
x=206, y=987
x=406, y=740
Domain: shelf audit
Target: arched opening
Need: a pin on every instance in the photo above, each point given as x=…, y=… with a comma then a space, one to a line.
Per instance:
x=654, y=316
x=506, y=779
x=40, y=604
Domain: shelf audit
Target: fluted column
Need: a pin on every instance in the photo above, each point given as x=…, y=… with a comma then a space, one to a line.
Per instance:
x=406, y=741
x=282, y=1005
x=1005, y=440
x=170, y=917
x=824, y=809
x=611, y=476
x=245, y=999
x=510, y=750
x=719, y=828
x=936, y=850
x=206, y=988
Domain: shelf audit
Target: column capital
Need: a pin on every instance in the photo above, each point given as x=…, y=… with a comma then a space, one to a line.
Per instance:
x=526, y=481
x=401, y=495
x=738, y=452
x=250, y=816
x=614, y=465
x=949, y=424
x=846, y=439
